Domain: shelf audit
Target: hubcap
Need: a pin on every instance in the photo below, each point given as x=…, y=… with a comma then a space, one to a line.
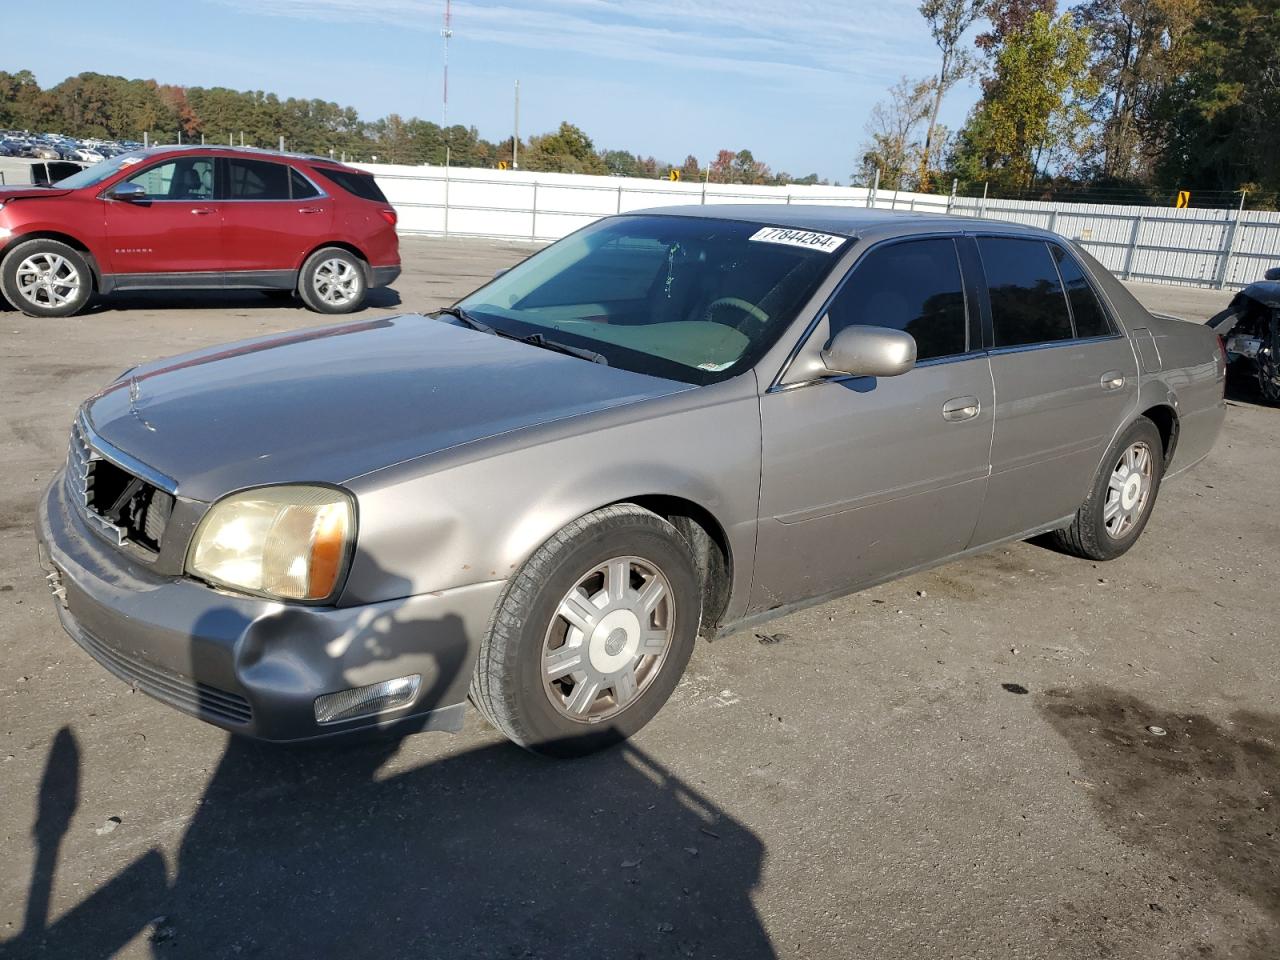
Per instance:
x=48, y=280
x=336, y=282
x=608, y=639
x=1128, y=490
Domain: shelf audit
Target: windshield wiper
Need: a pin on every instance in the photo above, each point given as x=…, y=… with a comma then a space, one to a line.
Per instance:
x=538, y=340
x=459, y=314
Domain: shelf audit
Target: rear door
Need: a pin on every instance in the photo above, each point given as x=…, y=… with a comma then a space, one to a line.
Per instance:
x=865, y=477
x=1064, y=378
x=272, y=216
x=175, y=231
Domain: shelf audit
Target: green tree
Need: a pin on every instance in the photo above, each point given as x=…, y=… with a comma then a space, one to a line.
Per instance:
x=948, y=20
x=23, y=105
x=568, y=150
x=1031, y=112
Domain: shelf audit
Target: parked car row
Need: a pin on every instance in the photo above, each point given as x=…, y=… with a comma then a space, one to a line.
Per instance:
x=54, y=146
x=198, y=218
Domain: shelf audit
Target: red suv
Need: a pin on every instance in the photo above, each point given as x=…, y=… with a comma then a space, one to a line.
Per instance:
x=198, y=217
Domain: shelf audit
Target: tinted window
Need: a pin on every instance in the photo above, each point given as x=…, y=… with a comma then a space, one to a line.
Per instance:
x=1086, y=310
x=1027, y=302
x=256, y=180
x=913, y=286
x=186, y=178
x=301, y=186
x=361, y=184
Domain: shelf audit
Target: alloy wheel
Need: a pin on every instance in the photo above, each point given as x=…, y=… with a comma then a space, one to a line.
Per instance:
x=48, y=280
x=608, y=639
x=1128, y=490
x=336, y=282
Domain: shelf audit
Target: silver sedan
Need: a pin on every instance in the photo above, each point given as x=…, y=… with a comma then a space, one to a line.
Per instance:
x=670, y=423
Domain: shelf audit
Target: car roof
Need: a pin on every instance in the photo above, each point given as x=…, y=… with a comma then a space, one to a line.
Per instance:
x=258, y=153
x=847, y=220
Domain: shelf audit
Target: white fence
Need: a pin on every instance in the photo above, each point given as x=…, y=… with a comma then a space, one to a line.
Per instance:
x=1208, y=248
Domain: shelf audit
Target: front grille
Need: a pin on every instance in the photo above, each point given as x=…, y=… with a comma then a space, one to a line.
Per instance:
x=123, y=506
x=189, y=696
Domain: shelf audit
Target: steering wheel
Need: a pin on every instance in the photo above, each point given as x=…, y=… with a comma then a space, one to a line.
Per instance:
x=738, y=304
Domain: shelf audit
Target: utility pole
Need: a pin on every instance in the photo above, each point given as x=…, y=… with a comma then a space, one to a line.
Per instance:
x=515, y=138
x=447, y=34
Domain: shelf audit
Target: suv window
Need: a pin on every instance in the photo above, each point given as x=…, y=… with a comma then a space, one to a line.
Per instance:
x=256, y=180
x=913, y=286
x=186, y=178
x=300, y=187
x=1027, y=301
x=360, y=184
x=1086, y=310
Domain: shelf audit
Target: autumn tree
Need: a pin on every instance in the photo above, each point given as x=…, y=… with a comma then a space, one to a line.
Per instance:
x=893, y=128
x=1032, y=110
x=948, y=20
x=568, y=150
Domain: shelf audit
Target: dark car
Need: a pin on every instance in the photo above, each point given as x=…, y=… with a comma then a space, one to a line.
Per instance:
x=198, y=218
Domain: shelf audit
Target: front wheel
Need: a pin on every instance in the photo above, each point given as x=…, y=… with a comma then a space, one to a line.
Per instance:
x=1119, y=504
x=333, y=281
x=46, y=278
x=591, y=635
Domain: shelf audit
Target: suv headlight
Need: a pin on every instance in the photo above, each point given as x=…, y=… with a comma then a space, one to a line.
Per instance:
x=286, y=542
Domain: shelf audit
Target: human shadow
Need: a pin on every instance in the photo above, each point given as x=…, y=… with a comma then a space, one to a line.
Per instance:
x=1198, y=794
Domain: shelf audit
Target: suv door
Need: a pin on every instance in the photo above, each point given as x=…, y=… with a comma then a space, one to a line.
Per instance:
x=273, y=216
x=176, y=229
x=866, y=477
x=1064, y=377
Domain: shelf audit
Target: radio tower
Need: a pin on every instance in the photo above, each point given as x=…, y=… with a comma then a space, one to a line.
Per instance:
x=447, y=33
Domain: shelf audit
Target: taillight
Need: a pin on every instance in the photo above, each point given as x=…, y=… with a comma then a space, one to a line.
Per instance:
x=389, y=215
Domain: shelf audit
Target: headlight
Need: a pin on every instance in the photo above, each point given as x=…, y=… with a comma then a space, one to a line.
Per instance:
x=286, y=542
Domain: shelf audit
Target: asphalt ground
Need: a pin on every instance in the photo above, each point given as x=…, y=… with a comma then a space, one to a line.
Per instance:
x=965, y=763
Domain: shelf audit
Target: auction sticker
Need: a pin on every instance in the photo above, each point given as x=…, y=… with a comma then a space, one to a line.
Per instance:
x=822, y=242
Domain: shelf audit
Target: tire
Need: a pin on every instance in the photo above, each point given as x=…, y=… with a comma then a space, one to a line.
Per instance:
x=46, y=278
x=333, y=280
x=528, y=634
x=1098, y=531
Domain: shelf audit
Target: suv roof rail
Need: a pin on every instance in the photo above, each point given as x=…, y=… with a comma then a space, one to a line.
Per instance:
x=260, y=151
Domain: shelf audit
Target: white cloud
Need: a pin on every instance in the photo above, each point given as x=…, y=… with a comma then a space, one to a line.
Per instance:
x=789, y=41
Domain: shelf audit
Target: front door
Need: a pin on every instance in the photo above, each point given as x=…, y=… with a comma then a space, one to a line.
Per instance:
x=864, y=477
x=175, y=230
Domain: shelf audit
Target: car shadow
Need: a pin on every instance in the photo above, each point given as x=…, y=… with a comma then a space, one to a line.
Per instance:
x=351, y=849
x=379, y=298
x=1195, y=793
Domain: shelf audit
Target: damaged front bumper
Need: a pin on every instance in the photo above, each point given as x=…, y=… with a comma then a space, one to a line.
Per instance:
x=254, y=666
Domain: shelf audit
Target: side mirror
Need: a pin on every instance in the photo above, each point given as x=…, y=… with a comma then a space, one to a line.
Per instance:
x=1272, y=274
x=869, y=352
x=128, y=192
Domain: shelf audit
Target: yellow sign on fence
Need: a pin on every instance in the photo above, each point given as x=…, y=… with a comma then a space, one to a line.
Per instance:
x=1184, y=199
x=673, y=176
x=502, y=164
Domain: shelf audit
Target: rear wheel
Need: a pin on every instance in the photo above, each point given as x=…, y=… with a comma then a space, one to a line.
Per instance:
x=1119, y=504
x=591, y=635
x=333, y=280
x=46, y=278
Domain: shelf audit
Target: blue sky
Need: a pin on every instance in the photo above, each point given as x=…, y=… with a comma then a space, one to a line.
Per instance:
x=791, y=80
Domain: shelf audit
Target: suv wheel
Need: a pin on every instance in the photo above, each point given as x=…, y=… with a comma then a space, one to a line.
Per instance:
x=333, y=280
x=591, y=635
x=45, y=278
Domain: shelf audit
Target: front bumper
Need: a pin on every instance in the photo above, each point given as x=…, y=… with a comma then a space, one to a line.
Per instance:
x=256, y=666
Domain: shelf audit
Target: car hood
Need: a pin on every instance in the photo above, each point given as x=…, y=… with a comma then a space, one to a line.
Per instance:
x=330, y=404
x=26, y=192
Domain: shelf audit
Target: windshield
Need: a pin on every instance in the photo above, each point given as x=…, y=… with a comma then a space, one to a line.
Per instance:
x=98, y=172
x=687, y=298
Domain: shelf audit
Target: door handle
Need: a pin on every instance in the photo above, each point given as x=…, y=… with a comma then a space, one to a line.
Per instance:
x=1112, y=380
x=961, y=408
x=202, y=211
x=311, y=209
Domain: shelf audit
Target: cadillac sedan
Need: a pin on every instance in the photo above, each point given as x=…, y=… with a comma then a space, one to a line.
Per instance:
x=669, y=424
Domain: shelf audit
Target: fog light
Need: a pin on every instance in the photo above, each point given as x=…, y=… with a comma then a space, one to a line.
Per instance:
x=367, y=701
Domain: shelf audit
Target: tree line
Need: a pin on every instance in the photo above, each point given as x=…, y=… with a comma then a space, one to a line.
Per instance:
x=1107, y=100
x=108, y=107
